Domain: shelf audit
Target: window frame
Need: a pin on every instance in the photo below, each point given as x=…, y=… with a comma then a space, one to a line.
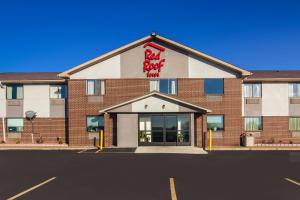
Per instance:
x=63, y=96
x=97, y=82
x=7, y=127
x=256, y=83
x=210, y=79
x=14, y=85
x=169, y=85
x=291, y=83
x=86, y=123
x=261, y=123
x=214, y=115
x=289, y=123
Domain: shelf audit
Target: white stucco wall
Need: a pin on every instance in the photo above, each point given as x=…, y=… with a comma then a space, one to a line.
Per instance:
x=199, y=68
x=2, y=102
x=275, y=101
x=36, y=98
x=127, y=130
x=109, y=68
x=154, y=105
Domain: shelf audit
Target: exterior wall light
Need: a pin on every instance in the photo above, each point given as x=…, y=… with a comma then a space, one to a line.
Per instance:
x=163, y=106
x=146, y=106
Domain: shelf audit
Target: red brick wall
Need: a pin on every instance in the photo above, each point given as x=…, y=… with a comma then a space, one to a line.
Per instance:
x=192, y=90
x=119, y=90
x=276, y=129
x=49, y=128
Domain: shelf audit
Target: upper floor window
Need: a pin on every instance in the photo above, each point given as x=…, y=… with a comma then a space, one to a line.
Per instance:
x=215, y=122
x=58, y=91
x=214, y=86
x=252, y=90
x=95, y=87
x=294, y=90
x=14, y=92
x=167, y=86
x=14, y=124
x=294, y=123
x=252, y=124
x=94, y=123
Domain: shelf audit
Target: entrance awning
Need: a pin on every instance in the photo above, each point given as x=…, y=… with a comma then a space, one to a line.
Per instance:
x=155, y=102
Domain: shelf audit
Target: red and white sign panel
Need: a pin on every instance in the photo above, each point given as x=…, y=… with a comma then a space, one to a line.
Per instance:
x=153, y=62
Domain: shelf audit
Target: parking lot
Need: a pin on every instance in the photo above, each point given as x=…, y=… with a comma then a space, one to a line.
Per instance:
x=217, y=175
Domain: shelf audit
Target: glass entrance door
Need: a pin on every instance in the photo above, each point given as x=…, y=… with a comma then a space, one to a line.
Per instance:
x=164, y=129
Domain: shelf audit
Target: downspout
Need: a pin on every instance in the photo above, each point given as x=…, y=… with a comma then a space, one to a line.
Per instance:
x=3, y=130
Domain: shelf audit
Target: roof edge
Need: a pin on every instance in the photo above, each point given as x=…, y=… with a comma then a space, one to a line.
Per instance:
x=152, y=94
x=67, y=73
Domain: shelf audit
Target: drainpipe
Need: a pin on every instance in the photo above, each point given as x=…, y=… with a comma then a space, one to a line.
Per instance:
x=3, y=130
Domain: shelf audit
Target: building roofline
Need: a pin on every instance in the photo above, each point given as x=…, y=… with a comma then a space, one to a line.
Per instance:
x=112, y=53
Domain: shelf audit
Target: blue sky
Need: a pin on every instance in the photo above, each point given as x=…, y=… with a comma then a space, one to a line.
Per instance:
x=57, y=35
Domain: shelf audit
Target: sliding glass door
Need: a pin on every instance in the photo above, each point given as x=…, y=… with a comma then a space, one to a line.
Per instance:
x=164, y=129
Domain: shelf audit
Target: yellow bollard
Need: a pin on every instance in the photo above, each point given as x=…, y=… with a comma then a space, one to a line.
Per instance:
x=210, y=140
x=101, y=140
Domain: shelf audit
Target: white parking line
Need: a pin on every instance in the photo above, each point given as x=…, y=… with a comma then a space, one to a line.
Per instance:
x=32, y=188
x=172, y=188
x=84, y=150
x=98, y=151
x=292, y=181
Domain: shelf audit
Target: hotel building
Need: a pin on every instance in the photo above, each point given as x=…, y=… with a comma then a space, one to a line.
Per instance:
x=153, y=91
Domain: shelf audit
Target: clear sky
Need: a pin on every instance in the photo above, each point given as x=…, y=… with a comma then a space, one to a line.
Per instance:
x=56, y=35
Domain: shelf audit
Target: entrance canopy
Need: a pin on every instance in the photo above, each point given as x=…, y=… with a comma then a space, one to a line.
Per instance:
x=155, y=102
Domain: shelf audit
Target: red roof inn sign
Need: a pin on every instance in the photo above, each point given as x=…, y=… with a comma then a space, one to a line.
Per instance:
x=153, y=62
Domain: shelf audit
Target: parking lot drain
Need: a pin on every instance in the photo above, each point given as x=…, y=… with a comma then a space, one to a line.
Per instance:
x=31, y=189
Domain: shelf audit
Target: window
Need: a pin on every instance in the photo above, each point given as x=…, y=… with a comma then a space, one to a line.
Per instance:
x=252, y=123
x=145, y=129
x=294, y=90
x=94, y=123
x=95, y=87
x=294, y=123
x=57, y=91
x=252, y=90
x=14, y=92
x=215, y=122
x=14, y=124
x=167, y=86
x=214, y=86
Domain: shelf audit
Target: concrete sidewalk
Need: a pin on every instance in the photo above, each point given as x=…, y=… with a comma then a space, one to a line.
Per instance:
x=171, y=150
x=256, y=148
x=42, y=147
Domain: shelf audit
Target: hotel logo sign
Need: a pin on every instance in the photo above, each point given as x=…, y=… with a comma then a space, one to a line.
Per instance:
x=153, y=62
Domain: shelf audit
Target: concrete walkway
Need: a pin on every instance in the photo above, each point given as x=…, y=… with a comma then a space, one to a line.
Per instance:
x=171, y=150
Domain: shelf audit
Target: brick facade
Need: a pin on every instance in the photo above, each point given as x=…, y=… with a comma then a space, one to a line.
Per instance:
x=276, y=130
x=52, y=130
x=229, y=105
x=116, y=91
x=120, y=90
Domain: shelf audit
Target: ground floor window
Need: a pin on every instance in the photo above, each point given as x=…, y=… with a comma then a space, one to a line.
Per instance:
x=168, y=129
x=94, y=123
x=15, y=124
x=215, y=122
x=294, y=123
x=253, y=123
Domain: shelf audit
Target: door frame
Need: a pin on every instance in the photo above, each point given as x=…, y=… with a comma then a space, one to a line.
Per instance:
x=164, y=143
